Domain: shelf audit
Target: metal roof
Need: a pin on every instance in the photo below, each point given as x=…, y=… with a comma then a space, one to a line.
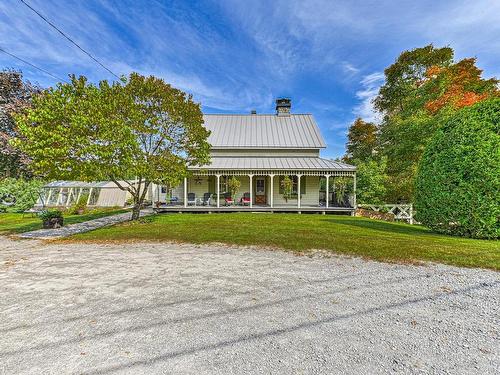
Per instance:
x=275, y=163
x=78, y=184
x=263, y=131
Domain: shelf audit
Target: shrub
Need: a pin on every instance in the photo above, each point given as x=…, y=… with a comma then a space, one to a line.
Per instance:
x=80, y=205
x=458, y=181
x=50, y=214
x=25, y=192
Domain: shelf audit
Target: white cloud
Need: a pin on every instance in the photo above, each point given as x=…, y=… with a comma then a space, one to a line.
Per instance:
x=349, y=68
x=370, y=85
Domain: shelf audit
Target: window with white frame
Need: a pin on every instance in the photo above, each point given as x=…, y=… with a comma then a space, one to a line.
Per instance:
x=223, y=184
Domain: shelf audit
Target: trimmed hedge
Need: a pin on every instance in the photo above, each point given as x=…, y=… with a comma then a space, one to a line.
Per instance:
x=457, y=188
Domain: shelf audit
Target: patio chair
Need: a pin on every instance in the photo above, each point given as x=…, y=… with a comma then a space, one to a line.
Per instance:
x=245, y=200
x=173, y=201
x=206, y=199
x=191, y=199
x=228, y=199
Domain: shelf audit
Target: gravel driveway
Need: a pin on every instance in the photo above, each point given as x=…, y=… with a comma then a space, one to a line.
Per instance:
x=167, y=308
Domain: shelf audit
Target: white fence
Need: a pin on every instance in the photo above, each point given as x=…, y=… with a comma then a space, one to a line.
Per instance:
x=400, y=211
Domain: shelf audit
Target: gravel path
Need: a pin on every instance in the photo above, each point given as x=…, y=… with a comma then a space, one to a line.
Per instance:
x=184, y=309
x=86, y=226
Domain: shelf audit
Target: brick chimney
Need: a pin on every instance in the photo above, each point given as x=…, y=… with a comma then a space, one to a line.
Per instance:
x=283, y=106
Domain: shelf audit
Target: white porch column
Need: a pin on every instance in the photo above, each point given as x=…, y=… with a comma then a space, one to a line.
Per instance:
x=251, y=190
x=185, y=191
x=218, y=188
x=327, y=190
x=298, y=190
x=271, y=177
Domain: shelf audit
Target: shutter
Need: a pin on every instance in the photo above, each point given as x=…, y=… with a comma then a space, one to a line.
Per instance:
x=280, y=185
x=303, y=185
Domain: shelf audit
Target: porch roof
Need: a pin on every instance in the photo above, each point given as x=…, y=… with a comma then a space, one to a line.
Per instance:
x=275, y=163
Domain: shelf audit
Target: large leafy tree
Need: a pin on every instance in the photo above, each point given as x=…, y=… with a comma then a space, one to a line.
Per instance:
x=400, y=92
x=15, y=96
x=458, y=182
x=371, y=180
x=134, y=133
x=361, y=140
x=422, y=88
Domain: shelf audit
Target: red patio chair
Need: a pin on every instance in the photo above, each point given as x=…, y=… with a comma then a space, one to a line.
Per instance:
x=228, y=199
x=245, y=200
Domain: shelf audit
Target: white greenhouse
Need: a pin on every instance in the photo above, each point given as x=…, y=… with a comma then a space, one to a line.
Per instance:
x=67, y=193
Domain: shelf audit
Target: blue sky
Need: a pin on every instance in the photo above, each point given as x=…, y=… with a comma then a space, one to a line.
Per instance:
x=234, y=56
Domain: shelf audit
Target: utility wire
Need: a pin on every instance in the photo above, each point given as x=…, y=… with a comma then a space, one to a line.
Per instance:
x=34, y=66
x=67, y=37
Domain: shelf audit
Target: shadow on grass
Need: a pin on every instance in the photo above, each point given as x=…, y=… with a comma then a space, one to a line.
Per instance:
x=35, y=223
x=383, y=226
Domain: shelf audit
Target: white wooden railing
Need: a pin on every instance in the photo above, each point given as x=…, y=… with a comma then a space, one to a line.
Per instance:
x=400, y=211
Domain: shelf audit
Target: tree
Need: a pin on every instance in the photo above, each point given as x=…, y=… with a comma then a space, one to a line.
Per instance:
x=361, y=140
x=134, y=133
x=371, y=181
x=458, y=182
x=421, y=90
x=15, y=96
x=403, y=78
x=458, y=85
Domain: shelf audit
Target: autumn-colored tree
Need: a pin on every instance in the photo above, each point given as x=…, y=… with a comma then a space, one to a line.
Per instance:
x=458, y=85
x=361, y=140
x=422, y=88
x=134, y=133
x=15, y=96
x=400, y=92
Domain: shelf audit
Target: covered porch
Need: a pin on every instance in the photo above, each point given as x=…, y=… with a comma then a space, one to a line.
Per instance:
x=314, y=190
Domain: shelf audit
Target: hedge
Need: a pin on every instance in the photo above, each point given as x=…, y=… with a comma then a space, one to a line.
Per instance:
x=457, y=188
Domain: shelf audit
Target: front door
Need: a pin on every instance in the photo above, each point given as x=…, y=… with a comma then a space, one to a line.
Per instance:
x=260, y=190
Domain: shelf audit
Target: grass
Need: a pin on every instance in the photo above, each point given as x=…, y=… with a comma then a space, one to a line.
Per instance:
x=394, y=242
x=14, y=223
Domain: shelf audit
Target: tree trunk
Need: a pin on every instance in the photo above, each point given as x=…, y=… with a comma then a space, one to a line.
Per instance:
x=136, y=211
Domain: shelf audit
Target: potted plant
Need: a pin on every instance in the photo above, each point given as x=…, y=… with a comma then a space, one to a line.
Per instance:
x=234, y=186
x=287, y=186
x=81, y=205
x=52, y=219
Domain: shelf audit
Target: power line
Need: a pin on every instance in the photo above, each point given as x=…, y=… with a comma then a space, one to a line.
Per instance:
x=30, y=64
x=67, y=37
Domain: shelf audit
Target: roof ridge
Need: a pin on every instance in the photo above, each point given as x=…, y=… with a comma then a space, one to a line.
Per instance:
x=256, y=114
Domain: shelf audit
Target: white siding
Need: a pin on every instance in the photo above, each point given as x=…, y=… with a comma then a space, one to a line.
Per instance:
x=111, y=197
x=310, y=198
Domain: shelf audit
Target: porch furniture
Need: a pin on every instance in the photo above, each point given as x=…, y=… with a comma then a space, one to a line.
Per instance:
x=173, y=200
x=191, y=199
x=206, y=199
x=245, y=200
x=228, y=199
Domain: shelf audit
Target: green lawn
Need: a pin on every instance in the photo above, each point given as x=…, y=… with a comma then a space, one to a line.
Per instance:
x=12, y=223
x=339, y=234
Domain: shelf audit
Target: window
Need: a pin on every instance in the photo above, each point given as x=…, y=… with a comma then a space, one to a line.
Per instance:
x=164, y=190
x=94, y=196
x=223, y=184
